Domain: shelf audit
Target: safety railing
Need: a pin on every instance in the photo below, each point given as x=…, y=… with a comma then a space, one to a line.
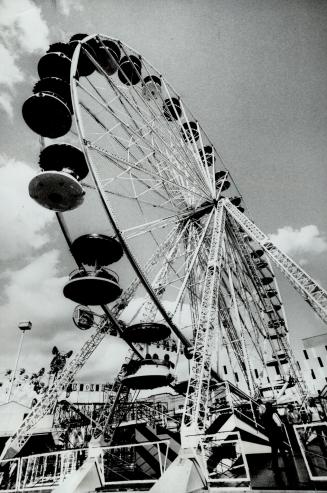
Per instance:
x=118, y=465
x=224, y=460
x=229, y=399
x=39, y=472
x=152, y=413
x=312, y=440
x=134, y=463
x=47, y=470
x=9, y=474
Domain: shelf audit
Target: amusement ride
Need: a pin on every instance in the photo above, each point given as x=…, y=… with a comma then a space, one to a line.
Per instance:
x=166, y=257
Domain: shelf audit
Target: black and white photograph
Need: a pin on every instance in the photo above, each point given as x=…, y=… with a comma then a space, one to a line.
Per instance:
x=163, y=254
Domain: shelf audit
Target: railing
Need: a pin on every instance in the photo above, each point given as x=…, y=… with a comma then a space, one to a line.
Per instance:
x=224, y=460
x=312, y=440
x=123, y=464
x=101, y=272
x=152, y=413
x=43, y=471
x=9, y=473
x=229, y=399
x=134, y=463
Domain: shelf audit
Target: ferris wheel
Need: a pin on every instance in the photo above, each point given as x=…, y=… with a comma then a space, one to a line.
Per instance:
x=138, y=186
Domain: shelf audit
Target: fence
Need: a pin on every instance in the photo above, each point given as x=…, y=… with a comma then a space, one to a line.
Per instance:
x=134, y=463
x=124, y=464
x=9, y=473
x=312, y=440
x=224, y=460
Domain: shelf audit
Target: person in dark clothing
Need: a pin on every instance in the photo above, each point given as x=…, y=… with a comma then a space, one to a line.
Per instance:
x=275, y=433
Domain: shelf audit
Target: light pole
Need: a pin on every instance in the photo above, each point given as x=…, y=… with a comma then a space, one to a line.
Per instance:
x=23, y=326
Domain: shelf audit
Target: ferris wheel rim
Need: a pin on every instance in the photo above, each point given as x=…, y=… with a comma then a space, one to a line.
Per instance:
x=106, y=203
x=120, y=232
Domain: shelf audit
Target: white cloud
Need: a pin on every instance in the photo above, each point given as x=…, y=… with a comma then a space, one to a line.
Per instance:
x=23, y=30
x=66, y=6
x=22, y=25
x=35, y=291
x=301, y=241
x=6, y=104
x=10, y=73
x=22, y=220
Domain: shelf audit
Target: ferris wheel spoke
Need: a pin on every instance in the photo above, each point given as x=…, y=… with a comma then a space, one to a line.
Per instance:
x=162, y=205
x=172, y=134
x=156, y=116
x=178, y=188
x=134, y=137
x=145, y=228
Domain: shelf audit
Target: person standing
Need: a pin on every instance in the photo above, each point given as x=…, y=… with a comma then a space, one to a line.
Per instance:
x=274, y=430
x=293, y=417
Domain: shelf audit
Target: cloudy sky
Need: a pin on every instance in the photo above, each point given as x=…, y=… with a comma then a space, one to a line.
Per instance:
x=254, y=73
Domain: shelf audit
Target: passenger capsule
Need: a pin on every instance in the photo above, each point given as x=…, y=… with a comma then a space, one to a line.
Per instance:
x=266, y=280
x=207, y=155
x=49, y=111
x=83, y=318
x=276, y=334
x=272, y=362
x=150, y=374
x=220, y=179
x=190, y=131
x=282, y=357
x=271, y=293
x=257, y=253
x=96, y=249
x=277, y=308
x=261, y=264
x=236, y=201
x=129, y=71
x=56, y=62
x=219, y=175
x=85, y=65
x=146, y=332
x=107, y=54
x=223, y=185
x=172, y=109
x=93, y=287
x=96, y=284
x=151, y=87
x=57, y=187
